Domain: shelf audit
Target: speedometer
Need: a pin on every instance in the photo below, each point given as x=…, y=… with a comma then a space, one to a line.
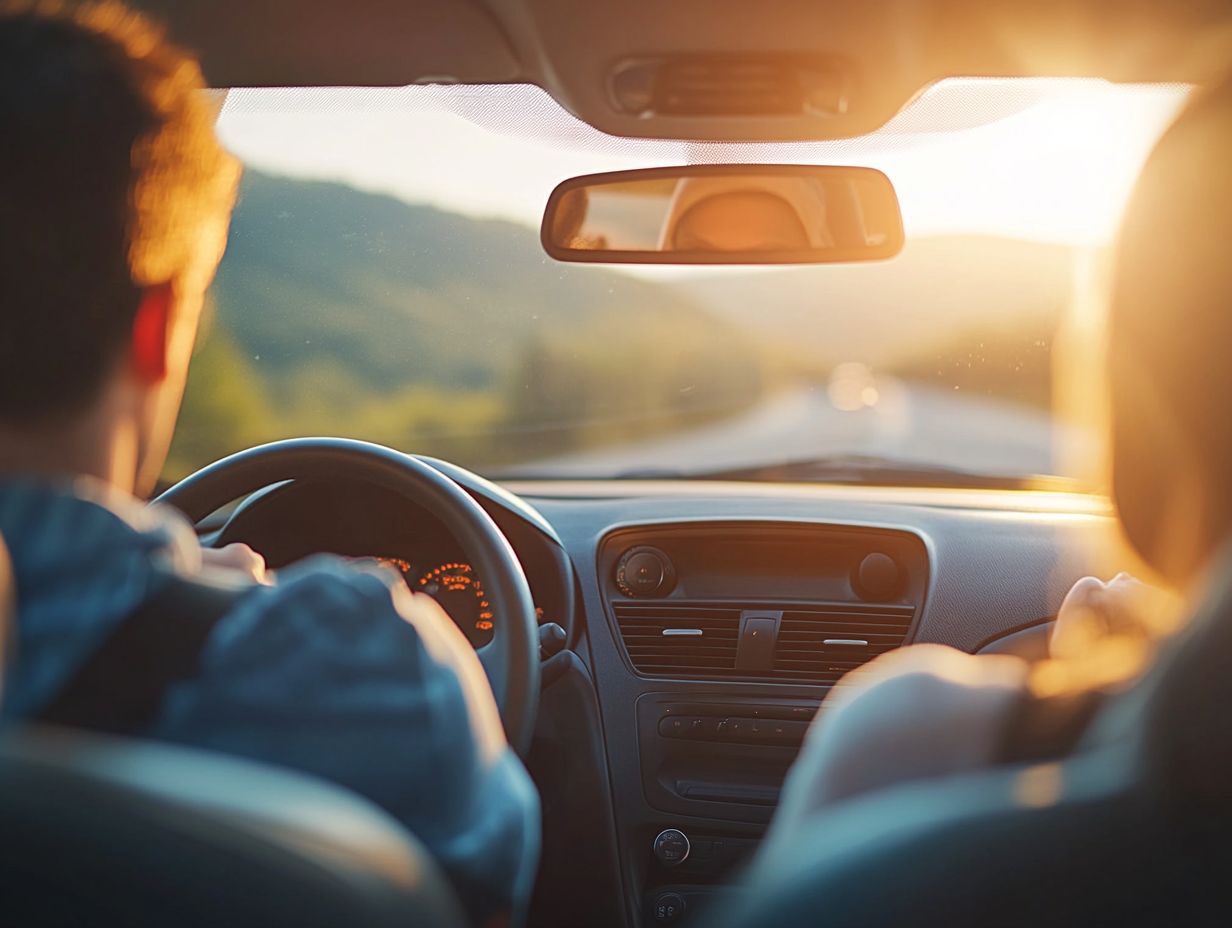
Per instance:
x=460, y=594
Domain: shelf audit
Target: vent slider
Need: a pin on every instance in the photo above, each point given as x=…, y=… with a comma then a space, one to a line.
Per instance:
x=815, y=643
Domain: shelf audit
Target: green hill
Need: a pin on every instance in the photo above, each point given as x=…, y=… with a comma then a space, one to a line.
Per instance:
x=350, y=313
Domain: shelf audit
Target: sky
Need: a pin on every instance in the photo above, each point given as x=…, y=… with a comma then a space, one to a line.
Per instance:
x=1043, y=159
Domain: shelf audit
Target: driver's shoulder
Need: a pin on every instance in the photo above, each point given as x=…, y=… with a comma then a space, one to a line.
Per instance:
x=61, y=519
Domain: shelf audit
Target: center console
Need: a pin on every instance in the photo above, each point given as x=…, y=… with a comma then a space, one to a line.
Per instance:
x=734, y=633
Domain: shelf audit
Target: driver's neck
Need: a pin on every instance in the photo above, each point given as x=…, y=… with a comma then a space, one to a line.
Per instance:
x=97, y=445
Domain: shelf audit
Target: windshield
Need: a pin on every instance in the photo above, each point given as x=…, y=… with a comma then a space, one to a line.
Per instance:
x=384, y=281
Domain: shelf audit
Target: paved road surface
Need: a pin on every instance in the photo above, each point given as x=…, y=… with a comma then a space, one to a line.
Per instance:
x=907, y=422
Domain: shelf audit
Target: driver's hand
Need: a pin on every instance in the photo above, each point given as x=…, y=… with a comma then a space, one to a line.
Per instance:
x=423, y=608
x=236, y=558
x=1094, y=608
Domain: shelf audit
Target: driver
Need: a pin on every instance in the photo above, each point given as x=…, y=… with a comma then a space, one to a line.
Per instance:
x=114, y=203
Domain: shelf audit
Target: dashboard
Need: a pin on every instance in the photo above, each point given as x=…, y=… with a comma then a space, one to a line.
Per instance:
x=296, y=519
x=698, y=730
x=705, y=623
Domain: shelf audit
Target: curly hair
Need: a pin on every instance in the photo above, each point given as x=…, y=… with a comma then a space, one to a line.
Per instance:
x=111, y=180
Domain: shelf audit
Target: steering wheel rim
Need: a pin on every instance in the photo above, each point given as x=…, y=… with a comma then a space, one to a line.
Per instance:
x=511, y=658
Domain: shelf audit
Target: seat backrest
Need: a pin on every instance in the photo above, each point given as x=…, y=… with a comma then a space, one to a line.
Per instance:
x=105, y=831
x=1130, y=830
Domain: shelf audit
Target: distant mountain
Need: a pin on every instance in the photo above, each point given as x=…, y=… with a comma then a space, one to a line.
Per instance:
x=338, y=311
x=396, y=293
x=938, y=292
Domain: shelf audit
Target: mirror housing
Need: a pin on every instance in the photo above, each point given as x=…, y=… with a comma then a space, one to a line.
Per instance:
x=725, y=214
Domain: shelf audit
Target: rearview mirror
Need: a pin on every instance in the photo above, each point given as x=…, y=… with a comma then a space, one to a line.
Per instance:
x=725, y=214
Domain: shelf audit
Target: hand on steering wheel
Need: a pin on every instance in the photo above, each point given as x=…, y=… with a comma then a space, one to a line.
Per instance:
x=511, y=659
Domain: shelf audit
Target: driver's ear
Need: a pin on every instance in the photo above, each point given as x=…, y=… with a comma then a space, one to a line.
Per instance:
x=151, y=335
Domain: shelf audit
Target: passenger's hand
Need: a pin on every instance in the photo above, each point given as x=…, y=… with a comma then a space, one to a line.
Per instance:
x=236, y=558
x=1093, y=609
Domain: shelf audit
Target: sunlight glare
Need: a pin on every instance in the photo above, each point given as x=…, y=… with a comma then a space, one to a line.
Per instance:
x=1060, y=171
x=1057, y=170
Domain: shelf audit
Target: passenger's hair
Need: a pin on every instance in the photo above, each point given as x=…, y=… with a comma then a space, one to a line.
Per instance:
x=1170, y=383
x=110, y=178
x=1170, y=345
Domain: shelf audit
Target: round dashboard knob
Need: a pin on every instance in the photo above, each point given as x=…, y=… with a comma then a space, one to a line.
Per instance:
x=668, y=908
x=879, y=578
x=671, y=847
x=645, y=571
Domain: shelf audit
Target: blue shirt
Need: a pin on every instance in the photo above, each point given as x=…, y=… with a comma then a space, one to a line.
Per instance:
x=321, y=671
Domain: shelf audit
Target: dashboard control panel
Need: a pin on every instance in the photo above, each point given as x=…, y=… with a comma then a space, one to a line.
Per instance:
x=742, y=724
x=733, y=632
x=775, y=602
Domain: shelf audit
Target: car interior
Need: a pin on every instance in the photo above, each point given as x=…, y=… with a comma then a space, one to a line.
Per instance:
x=663, y=609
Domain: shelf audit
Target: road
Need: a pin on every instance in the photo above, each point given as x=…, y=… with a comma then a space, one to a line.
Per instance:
x=908, y=422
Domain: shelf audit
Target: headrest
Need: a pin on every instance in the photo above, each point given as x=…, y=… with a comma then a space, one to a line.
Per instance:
x=1170, y=322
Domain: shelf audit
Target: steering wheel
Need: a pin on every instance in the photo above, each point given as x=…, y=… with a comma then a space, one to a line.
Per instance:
x=511, y=658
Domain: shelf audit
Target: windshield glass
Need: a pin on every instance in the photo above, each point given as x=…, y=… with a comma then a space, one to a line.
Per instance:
x=384, y=281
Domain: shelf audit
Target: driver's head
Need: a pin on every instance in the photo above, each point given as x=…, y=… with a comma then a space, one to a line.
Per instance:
x=1170, y=346
x=114, y=203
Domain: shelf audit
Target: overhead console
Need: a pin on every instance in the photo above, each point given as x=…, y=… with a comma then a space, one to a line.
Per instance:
x=737, y=630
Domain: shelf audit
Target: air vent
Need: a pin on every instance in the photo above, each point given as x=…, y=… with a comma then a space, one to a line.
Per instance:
x=727, y=86
x=817, y=643
x=821, y=643
x=708, y=88
x=695, y=639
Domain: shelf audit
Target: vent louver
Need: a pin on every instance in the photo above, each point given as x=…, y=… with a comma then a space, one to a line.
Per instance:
x=821, y=643
x=817, y=643
x=696, y=88
x=662, y=638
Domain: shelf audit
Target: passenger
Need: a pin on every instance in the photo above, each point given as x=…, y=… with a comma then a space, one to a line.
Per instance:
x=929, y=711
x=115, y=199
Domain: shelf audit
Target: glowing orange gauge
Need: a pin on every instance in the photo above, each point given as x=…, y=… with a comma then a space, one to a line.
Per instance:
x=460, y=594
x=396, y=563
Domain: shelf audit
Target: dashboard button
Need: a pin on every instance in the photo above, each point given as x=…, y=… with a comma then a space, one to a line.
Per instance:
x=735, y=729
x=704, y=729
x=645, y=571
x=671, y=847
x=784, y=732
x=675, y=726
x=668, y=907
